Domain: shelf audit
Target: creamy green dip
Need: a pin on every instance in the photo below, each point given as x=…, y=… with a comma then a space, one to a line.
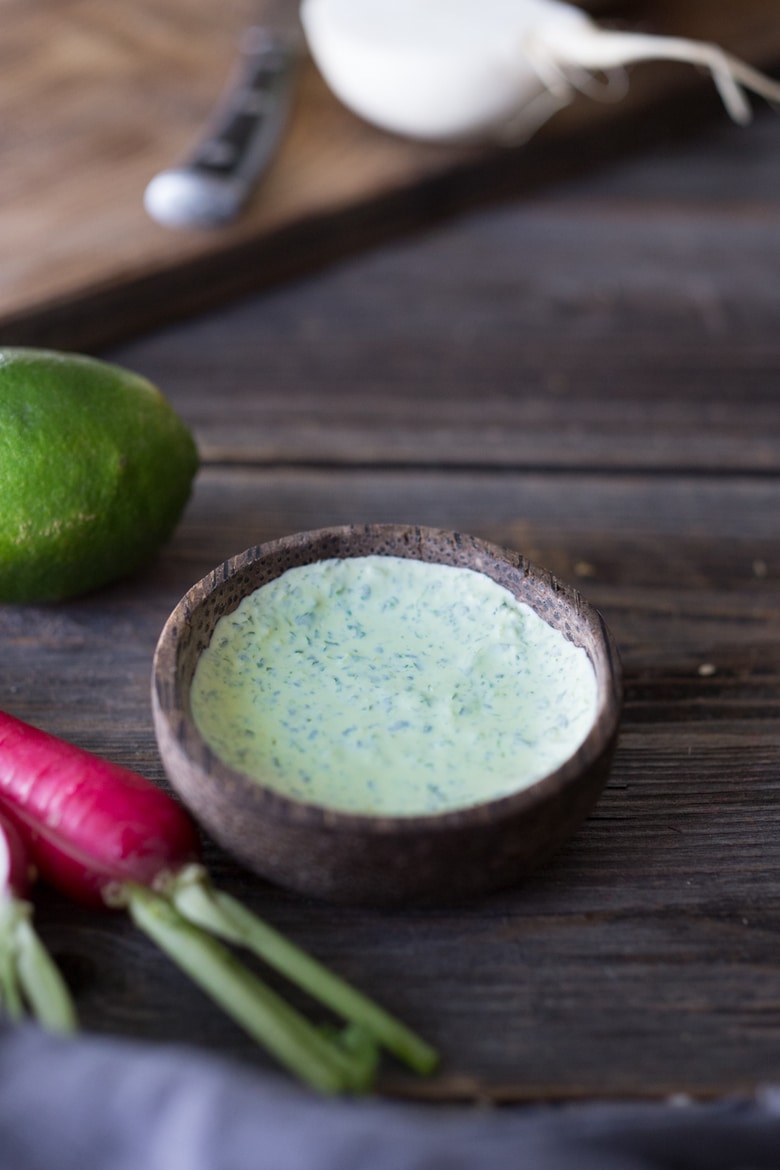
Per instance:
x=386, y=685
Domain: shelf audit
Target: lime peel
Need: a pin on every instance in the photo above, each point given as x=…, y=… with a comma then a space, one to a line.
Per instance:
x=95, y=471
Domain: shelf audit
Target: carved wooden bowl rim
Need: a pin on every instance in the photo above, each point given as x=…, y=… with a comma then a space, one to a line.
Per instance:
x=189, y=627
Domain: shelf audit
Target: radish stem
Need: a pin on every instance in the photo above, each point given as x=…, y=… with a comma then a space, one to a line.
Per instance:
x=217, y=912
x=11, y=1004
x=43, y=986
x=109, y=837
x=323, y=1064
x=28, y=976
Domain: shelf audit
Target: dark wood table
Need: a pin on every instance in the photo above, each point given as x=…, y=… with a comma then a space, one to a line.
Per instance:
x=590, y=374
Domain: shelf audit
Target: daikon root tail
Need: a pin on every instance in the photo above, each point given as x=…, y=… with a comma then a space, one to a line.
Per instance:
x=558, y=49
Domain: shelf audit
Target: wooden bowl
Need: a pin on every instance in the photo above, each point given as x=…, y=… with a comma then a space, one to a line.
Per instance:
x=380, y=860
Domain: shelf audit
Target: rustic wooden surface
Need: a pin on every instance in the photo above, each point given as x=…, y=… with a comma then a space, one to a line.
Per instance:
x=589, y=375
x=96, y=98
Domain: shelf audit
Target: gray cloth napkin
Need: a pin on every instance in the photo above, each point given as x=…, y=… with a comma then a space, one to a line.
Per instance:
x=103, y=1104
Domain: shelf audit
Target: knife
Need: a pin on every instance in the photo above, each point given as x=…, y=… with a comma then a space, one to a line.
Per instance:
x=210, y=187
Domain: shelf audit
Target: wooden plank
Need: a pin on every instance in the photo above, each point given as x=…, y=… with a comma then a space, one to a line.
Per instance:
x=97, y=98
x=642, y=961
x=658, y=556
x=625, y=322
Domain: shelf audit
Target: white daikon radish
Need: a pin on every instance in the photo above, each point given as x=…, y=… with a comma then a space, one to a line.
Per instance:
x=470, y=69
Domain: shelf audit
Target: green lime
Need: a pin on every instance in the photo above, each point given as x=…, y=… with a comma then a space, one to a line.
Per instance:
x=95, y=470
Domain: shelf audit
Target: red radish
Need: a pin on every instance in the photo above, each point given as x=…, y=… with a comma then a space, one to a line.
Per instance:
x=28, y=977
x=106, y=835
x=91, y=823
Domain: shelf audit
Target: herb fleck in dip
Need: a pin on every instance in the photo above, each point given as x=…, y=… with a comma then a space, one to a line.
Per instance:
x=386, y=685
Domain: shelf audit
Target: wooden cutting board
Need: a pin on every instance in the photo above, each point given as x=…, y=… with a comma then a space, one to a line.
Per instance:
x=95, y=98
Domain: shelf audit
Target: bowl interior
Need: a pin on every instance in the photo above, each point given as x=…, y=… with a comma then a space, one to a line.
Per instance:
x=381, y=860
x=190, y=627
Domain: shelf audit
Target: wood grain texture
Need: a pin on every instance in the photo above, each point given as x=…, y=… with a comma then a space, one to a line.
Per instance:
x=641, y=961
x=624, y=321
x=425, y=383
x=96, y=99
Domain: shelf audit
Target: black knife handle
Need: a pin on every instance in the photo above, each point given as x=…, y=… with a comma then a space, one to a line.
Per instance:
x=212, y=184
